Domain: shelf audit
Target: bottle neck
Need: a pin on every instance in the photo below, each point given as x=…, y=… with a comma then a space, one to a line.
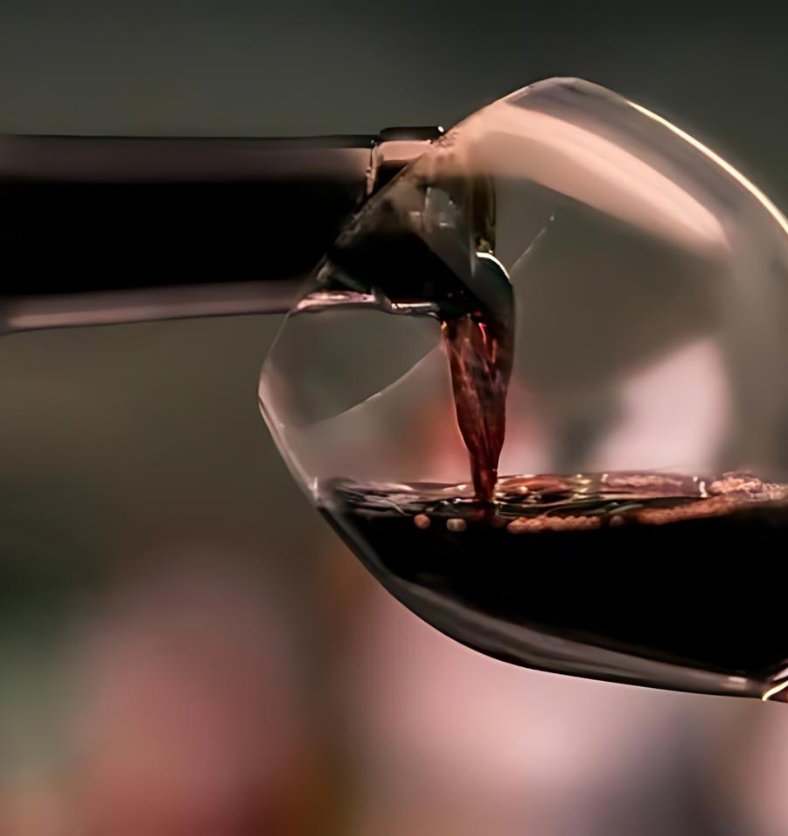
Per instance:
x=108, y=230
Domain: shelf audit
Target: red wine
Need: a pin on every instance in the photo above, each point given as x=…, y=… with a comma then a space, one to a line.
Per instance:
x=479, y=350
x=666, y=580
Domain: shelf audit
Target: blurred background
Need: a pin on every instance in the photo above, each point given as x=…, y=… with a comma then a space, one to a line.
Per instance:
x=185, y=647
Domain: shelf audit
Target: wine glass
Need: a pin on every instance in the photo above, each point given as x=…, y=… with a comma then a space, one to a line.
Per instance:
x=538, y=386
